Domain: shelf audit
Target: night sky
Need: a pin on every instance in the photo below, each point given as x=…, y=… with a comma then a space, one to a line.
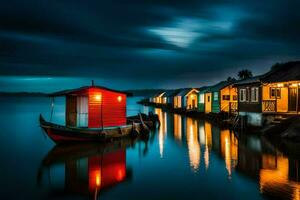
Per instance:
x=51, y=45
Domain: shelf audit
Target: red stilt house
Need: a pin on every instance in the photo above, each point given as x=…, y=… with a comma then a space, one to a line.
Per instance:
x=94, y=107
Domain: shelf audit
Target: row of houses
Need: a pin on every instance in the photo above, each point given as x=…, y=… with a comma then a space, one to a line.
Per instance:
x=260, y=98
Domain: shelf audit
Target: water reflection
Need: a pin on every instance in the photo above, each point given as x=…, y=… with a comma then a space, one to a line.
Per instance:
x=85, y=169
x=229, y=150
x=193, y=142
x=278, y=176
x=178, y=127
x=162, y=132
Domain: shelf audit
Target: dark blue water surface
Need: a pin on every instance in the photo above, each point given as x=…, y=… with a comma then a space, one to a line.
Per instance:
x=184, y=158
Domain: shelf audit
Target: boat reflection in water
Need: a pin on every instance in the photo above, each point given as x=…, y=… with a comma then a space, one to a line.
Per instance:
x=87, y=169
x=277, y=175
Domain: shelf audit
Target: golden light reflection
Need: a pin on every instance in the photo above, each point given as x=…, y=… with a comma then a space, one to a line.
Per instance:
x=207, y=141
x=229, y=150
x=177, y=127
x=193, y=143
x=98, y=179
x=162, y=129
x=275, y=178
x=202, y=135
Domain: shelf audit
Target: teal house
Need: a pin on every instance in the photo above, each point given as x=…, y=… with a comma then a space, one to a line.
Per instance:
x=212, y=97
x=201, y=98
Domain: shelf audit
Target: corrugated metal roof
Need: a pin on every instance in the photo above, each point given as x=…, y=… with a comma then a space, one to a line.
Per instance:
x=218, y=86
x=170, y=93
x=289, y=71
x=255, y=79
x=77, y=90
x=185, y=91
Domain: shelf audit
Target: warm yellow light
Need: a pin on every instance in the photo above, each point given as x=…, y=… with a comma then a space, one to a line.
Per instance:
x=98, y=181
x=280, y=85
x=193, y=96
x=119, y=98
x=98, y=97
x=294, y=85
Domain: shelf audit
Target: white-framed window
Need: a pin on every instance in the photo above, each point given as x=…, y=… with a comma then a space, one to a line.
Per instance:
x=201, y=98
x=243, y=95
x=254, y=94
x=216, y=96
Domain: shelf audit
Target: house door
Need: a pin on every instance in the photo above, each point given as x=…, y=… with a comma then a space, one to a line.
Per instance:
x=208, y=103
x=82, y=111
x=293, y=99
x=193, y=103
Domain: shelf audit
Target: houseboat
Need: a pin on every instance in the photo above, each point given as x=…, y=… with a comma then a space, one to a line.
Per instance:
x=95, y=113
x=186, y=99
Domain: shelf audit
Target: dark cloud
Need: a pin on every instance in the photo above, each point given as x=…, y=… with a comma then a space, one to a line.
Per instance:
x=177, y=42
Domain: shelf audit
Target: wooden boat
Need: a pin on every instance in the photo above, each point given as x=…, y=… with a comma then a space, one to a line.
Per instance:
x=135, y=125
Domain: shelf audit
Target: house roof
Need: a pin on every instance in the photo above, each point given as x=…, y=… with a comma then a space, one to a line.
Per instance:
x=203, y=89
x=160, y=93
x=289, y=71
x=218, y=86
x=170, y=93
x=185, y=91
x=255, y=79
x=82, y=89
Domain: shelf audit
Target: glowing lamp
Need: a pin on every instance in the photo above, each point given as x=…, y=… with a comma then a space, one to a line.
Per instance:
x=98, y=97
x=279, y=85
x=193, y=96
x=294, y=85
x=119, y=98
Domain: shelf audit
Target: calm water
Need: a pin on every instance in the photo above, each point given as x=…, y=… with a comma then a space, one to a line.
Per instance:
x=184, y=159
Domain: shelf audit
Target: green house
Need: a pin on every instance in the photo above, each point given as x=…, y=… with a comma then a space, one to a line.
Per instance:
x=212, y=97
x=201, y=98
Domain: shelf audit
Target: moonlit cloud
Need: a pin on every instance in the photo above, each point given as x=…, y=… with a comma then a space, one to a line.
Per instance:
x=140, y=43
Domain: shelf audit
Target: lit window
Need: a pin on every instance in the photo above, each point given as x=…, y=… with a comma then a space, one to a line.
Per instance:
x=254, y=94
x=275, y=93
x=243, y=95
x=216, y=96
x=226, y=97
x=119, y=98
x=201, y=98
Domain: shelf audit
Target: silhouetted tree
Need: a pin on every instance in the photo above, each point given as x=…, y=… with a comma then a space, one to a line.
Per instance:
x=231, y=79
x=245, y=74
x=275, y=66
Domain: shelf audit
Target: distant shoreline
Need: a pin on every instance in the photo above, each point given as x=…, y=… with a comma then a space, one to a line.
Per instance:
x=29, y=94
x=138, y=92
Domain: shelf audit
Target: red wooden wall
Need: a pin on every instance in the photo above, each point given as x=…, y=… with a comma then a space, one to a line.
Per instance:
x=113, y=108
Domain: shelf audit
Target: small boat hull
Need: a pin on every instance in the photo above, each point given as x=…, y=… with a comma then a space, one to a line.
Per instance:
x=63, y=134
